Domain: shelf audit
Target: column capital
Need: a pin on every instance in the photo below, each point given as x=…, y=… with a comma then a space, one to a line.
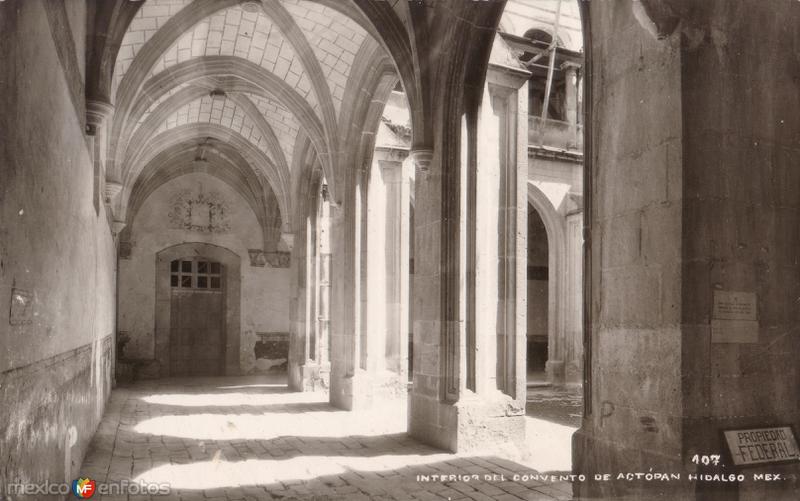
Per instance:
x=570, y=66
x=97, y=113
x=422, y=158
x=287, y=240
x=117, y=226
x=113, y=189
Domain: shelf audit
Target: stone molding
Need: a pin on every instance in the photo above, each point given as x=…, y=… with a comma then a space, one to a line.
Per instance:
x=98, y=113
x=422, y=159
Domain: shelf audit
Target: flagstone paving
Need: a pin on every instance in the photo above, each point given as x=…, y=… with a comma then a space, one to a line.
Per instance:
x=251, y=439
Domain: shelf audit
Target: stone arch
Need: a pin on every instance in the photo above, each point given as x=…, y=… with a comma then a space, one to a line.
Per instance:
x=177, y=136
x=394, y=37
x=557, y=251
x=237, y=75
x=232, y=285
x=189, y=94
x=260, y=199
x=133, y=83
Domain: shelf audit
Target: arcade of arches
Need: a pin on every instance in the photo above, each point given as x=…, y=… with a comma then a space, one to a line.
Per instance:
x=323, y=249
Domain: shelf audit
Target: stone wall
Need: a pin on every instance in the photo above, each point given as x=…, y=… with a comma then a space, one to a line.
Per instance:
x=694, y=193
x=265, y=288
x=56, y=249
x=741, y=221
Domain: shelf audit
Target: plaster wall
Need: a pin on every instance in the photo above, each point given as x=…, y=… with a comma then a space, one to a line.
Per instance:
x=265, y=294
x=56, y=250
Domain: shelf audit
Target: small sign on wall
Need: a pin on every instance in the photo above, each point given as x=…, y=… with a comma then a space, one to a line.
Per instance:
x=758, y=446
x=734, y=318
x=21, y=307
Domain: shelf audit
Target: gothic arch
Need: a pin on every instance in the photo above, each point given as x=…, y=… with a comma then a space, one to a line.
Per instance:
x=556, y=251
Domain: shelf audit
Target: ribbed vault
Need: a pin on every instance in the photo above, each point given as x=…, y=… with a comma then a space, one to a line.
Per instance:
x=267, y=78
x=278, y=77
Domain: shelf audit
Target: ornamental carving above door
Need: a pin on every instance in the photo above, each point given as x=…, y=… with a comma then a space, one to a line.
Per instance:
x=204, y=212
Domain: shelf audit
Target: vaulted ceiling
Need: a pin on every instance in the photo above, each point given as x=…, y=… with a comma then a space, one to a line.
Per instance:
x=275, y=87
x=236, y=84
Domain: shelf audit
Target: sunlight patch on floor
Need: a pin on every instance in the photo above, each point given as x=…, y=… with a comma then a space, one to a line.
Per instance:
x=550, y=445
x=246, y=386
x=269, y=425
x=219, y=473
x=236, y=399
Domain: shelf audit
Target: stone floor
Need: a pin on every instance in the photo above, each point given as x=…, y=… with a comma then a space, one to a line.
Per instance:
x=561, y=405
x=252, y=439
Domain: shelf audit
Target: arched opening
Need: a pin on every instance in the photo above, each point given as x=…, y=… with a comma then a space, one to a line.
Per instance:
x=539, y=36
x=547, y=42
x=538, y=314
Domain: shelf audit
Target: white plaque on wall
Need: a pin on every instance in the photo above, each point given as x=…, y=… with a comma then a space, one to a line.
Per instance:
x=734, y=318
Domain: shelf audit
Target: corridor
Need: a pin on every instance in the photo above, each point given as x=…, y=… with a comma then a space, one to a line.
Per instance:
x=250, y=438
x=338, y=249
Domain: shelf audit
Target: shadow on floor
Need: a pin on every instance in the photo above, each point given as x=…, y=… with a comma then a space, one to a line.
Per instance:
x=243, y=439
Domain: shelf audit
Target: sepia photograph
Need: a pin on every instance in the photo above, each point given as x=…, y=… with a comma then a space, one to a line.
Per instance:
x=399, y=250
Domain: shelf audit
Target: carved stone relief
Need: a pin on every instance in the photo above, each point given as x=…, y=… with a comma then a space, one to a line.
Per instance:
x=205, y=212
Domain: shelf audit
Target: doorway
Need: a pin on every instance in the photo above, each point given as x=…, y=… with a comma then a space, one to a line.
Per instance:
x=198, y=311
x=538, y=298
x=197, y=317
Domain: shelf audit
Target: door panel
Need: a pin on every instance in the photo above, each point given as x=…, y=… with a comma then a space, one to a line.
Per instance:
x=197, y=316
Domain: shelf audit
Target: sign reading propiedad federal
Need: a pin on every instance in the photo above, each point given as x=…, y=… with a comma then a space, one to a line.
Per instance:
x=759, y=446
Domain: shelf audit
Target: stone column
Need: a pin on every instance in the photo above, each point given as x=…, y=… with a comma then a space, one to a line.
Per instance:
x=573, y=304
x=324, y=286
x=571, y=83
x=469, y=330
x=571, y=94
x=302, y=266
x=350, y=381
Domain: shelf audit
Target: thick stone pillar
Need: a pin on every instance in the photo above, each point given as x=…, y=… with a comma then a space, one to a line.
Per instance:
x=433, y=417
x=350, y=382
x=469, y=279
x=693, y=194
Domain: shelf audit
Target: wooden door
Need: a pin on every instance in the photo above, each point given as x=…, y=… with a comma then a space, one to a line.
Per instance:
x=197, y=318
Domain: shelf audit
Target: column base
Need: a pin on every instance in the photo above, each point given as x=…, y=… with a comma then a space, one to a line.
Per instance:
x=310, y=377
x=573, y=372
x=364, y=390
x=592, y=455
x=474, y=424
x=555, y=371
